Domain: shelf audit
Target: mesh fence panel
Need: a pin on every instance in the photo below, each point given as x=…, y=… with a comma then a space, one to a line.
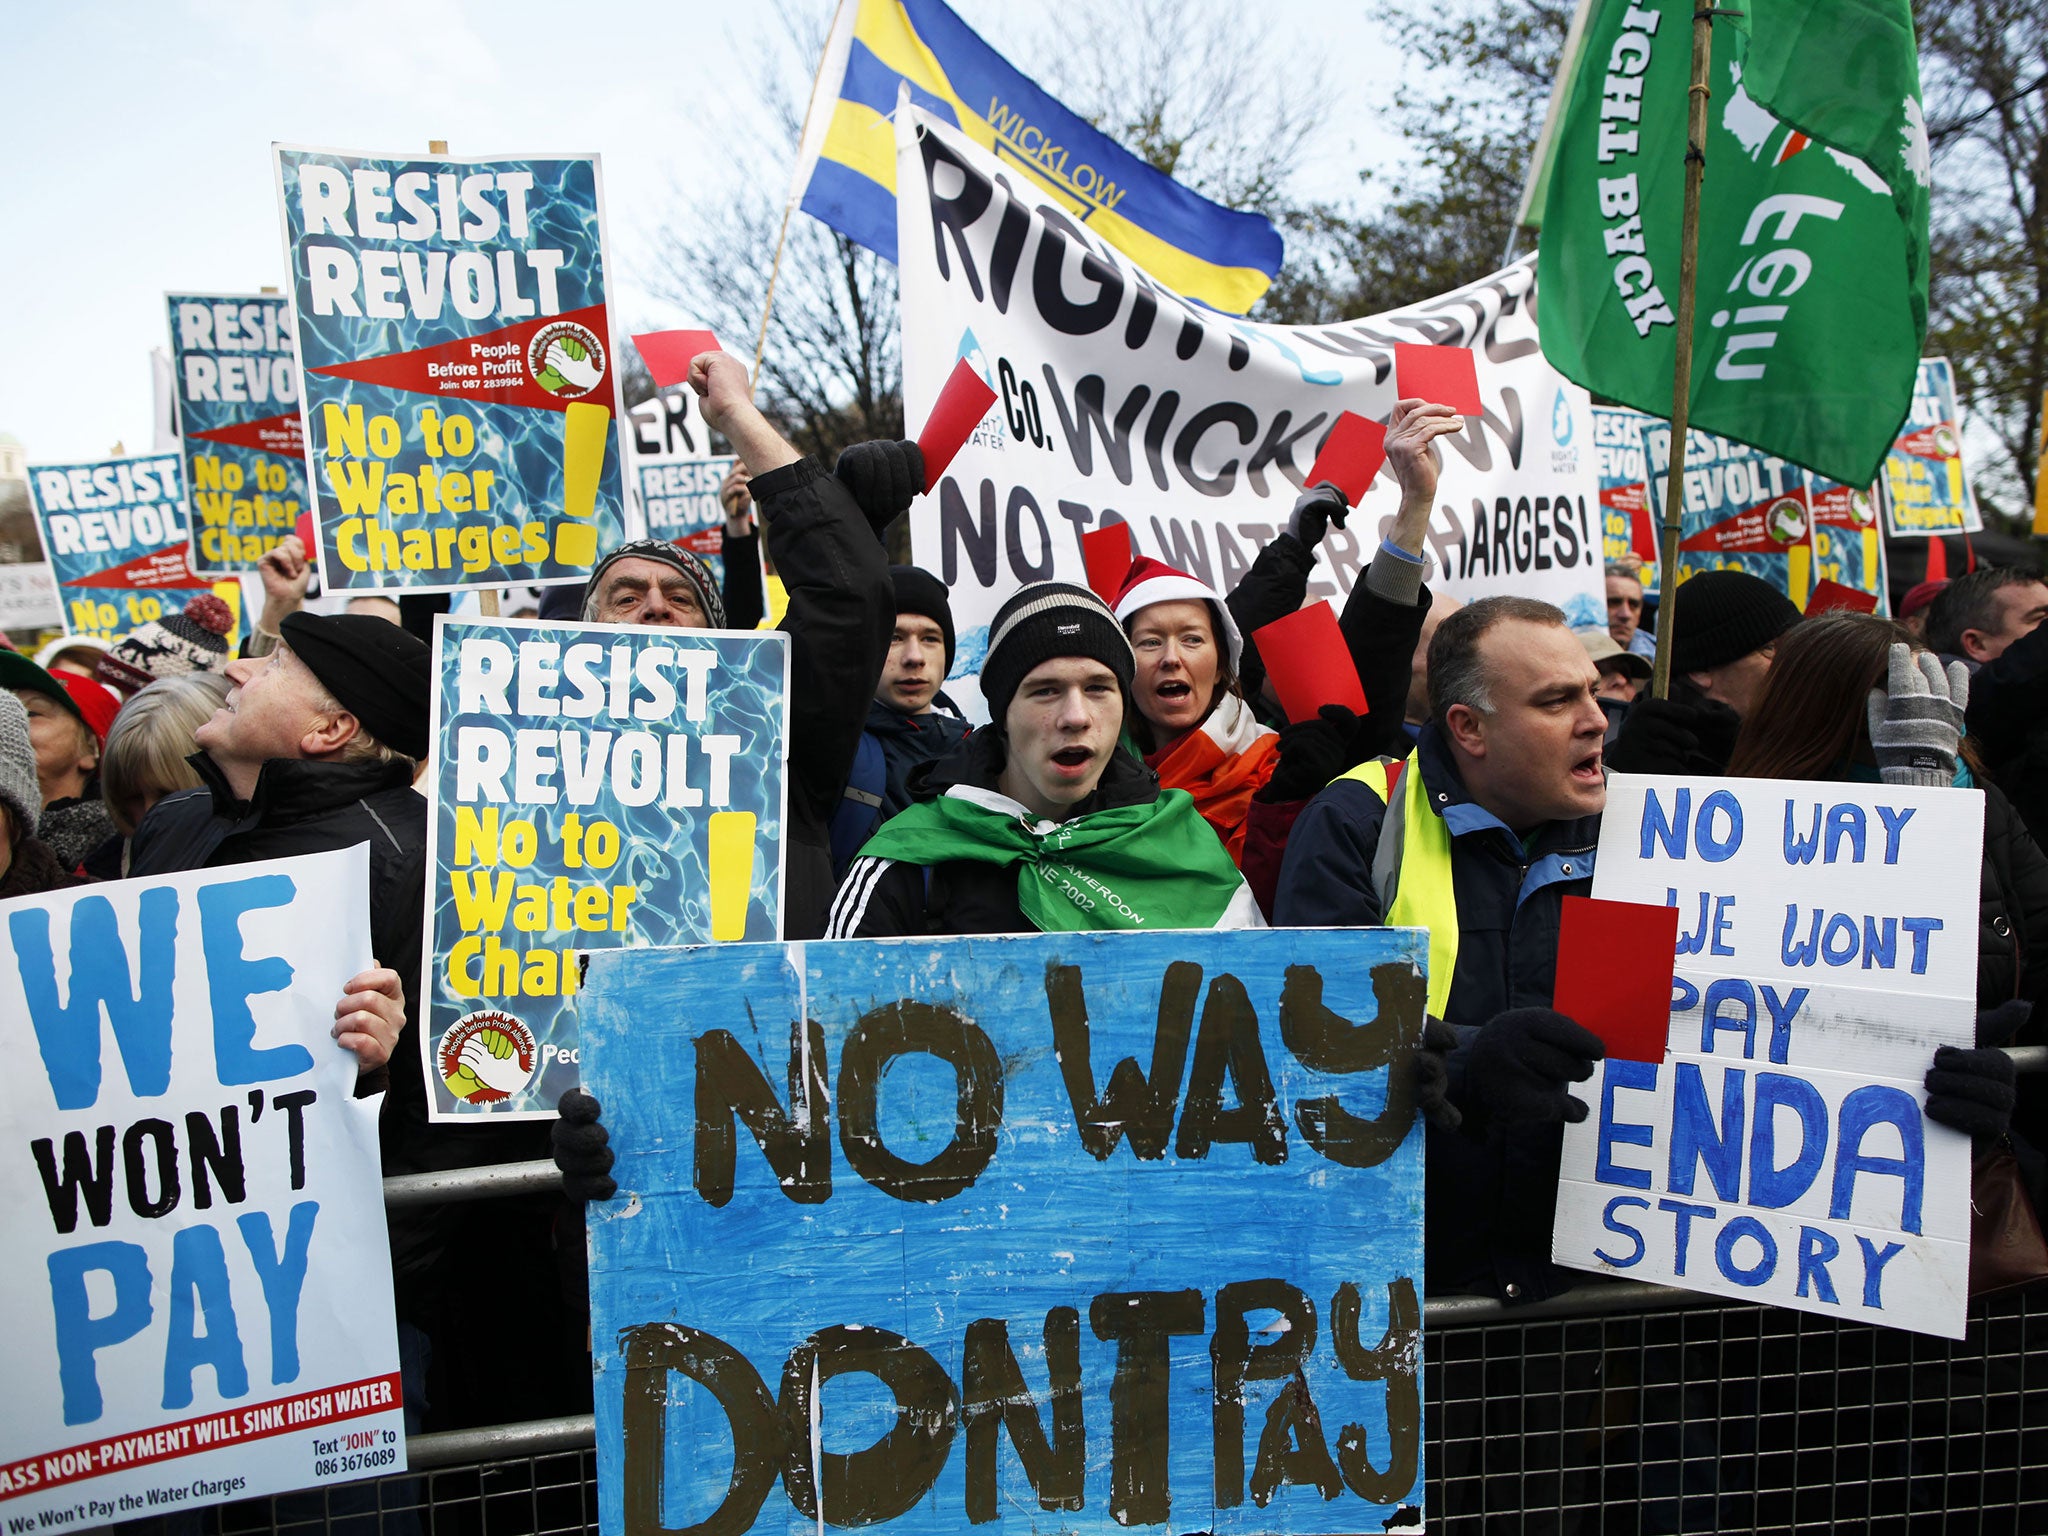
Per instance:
x=1691, y=1418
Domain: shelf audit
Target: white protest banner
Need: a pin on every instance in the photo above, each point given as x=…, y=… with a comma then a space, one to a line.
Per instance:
x=1120, y=401
x=197, y=1280
x=1827, y=943
x=675, y=476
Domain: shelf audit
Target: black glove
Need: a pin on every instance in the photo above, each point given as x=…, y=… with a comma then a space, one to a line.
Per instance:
x=1313, y=752
x=1997, y=1026
x=582, y=1148
x=1433, y=1078
x=884, y=477
x=1314, y=510
x=1666, y=736
x=1971, y=1091
x=1519, y=1061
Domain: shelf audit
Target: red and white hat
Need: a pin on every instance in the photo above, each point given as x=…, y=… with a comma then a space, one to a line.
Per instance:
x=1152, y=581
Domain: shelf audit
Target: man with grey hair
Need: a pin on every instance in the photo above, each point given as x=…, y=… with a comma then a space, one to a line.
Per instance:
x=1625, y=607
x=1478, y=837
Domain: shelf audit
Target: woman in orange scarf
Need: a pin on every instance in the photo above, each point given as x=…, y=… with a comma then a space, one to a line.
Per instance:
x=1194, y=727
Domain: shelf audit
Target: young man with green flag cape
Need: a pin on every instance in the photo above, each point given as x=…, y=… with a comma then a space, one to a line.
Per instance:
x=1041, y=821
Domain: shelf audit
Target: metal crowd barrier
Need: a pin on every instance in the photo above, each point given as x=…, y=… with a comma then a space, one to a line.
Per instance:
x=1618, y=1407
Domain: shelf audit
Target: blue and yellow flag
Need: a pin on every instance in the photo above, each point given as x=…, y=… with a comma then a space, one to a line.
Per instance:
x=847, y=167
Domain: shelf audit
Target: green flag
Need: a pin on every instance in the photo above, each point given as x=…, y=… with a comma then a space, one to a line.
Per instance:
x=1812, y=286
x=1157, y=865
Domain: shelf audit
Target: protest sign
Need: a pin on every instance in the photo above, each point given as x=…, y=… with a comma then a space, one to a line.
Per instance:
x=1847, y=546
x=593, y=788
x=116, y=532
x=676, y=476
x=1622, y=463
x=1159, y=1227
x=1120, y=401
x=205, y=1313
x=1827, y=943
x=457, y=363
x=28, y=596
x=238, y=415
x=1744, y=510
x=1928, y=482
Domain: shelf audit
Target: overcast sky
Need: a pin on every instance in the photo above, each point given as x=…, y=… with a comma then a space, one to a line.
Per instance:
x=135, y=142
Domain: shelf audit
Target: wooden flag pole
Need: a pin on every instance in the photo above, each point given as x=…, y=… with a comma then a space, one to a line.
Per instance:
x=1681, y=381
x=486, y=601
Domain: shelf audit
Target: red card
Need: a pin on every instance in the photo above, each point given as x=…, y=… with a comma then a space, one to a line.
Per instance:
x=1440, y=375
x=961, y=405
x=1832, y=594
x=304, y=529
x=1614, y=965
x=1308, y=662
x=1107, y=554
x=668, y=353
x=1352, y=455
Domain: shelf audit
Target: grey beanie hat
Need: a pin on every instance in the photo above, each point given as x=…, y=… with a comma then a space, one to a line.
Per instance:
x=19, y=788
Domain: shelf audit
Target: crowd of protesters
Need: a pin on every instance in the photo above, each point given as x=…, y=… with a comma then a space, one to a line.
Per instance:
x=1143, y=730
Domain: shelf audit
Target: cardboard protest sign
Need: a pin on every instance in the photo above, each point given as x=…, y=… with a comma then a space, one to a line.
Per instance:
x=1744, y=510
x=1928, y=482
x=1827, y=943
x=675, y=476
x=457, y=362
x=1122, y=1231
x=1114, y=394
x=1622, y=462
x=196, y=1275
x=116, y=533
x=237, y=383
x=594, y=788
x=1847, y=547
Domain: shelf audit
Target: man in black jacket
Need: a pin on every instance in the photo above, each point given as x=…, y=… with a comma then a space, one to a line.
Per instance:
x=841, y=610
x=313, y=751
x=1491, y=823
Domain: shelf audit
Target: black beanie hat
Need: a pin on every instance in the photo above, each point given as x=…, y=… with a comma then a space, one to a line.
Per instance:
x=919, y=591
x=1721, y=616
x=1045, y=620
x=376, y=671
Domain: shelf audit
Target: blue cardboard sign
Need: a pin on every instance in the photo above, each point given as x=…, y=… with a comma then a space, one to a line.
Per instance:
x=458, y=367
x=595, y=787
x=1076, y=1232
x=115, y=531
x=237, y=387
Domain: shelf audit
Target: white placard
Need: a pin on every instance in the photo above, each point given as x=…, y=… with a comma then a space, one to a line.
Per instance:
x=196, y=1279
x=1779, y=1153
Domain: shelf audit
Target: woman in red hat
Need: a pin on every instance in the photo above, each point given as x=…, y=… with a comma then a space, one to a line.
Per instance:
x=1198, y=685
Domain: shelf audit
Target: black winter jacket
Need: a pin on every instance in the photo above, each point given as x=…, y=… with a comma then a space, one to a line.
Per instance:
x=1490, y=1202
x=842, y=611
x=883, y=899
x=2008, y=725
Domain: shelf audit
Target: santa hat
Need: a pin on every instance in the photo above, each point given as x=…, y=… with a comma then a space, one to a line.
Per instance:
x=1152, y=581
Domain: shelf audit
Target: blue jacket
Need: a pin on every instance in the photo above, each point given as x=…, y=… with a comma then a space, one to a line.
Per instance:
x=1491, y=1197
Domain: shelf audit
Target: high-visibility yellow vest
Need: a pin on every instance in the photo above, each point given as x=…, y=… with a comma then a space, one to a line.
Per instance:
x=1411, y=870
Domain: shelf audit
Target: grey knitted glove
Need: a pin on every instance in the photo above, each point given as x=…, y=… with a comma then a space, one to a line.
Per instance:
x=1916, y=720
x=1314, y=510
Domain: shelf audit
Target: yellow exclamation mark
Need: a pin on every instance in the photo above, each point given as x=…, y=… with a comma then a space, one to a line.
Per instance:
x=1800, y=577
x=586, y=427
x=732, y=873
x=1870, y=561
